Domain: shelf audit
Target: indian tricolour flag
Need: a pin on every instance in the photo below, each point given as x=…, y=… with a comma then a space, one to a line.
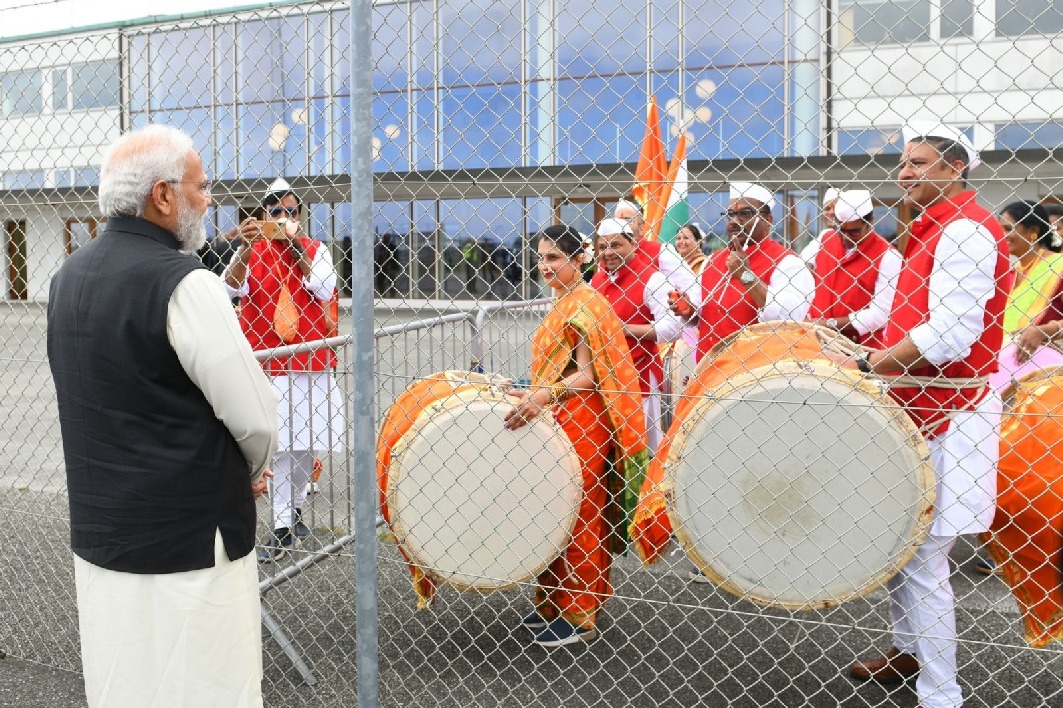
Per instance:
x=677, y=212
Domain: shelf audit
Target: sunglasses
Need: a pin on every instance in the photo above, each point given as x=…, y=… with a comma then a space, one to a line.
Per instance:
x=279, y=211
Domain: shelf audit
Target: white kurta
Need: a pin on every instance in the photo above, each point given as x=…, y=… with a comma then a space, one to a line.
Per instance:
x=191, y=639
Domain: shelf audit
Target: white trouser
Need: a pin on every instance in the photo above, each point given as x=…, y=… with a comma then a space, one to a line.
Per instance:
x=291, y=472
x=176, y=640
x=923, y=613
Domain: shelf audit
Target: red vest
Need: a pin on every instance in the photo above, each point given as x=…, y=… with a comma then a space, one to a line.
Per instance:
x=845, y=282
x=911, y=308
x=627, y=294
x=727, y=306
x=651, y=251
x=271, y=262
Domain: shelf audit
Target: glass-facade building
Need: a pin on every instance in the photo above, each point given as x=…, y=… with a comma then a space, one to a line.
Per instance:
x=504, y=89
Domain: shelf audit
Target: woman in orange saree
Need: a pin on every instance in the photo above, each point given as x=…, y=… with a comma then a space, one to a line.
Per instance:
x=581, y=364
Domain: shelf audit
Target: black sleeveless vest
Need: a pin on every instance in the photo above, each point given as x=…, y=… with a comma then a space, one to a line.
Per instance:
x=151, y=472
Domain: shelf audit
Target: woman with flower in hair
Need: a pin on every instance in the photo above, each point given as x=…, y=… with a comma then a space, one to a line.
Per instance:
x=581, y=366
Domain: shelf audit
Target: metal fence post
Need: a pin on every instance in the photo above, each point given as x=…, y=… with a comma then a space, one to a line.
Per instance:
x=363, y=474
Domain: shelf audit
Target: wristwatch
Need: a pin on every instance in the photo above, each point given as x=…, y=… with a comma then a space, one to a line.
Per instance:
x=747, y=277
x=832, y=323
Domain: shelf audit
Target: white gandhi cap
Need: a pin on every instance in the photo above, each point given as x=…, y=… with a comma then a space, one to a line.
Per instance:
x=852, y=205
x=929, y=129
x=749, y=190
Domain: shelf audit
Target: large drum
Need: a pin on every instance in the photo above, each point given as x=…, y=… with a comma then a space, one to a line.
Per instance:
x=794, y=483
x=1026, y=539
x=471, y=504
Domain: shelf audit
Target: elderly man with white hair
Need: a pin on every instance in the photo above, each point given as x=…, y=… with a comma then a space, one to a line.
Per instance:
x=855, y=269
x=167, y=424
x=754, y=279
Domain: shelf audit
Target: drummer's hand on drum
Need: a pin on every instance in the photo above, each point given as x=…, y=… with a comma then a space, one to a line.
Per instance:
x=845, y=361
x=526, y=408
x=1030, y=339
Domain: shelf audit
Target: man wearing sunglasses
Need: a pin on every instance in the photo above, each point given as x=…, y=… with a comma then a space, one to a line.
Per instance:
x=286, y=283
x=754, y=279
x=856, y=271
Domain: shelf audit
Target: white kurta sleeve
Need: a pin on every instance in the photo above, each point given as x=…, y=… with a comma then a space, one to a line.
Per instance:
x=808, y=253
x=679, y=273
x=322, y=279
x=790, y=291
x=961, y=283
x=873, y=317
x=665, y=323
x=203, y=331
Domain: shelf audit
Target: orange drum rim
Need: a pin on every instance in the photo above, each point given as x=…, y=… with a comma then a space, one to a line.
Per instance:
x=923, y=474
x=480, y=389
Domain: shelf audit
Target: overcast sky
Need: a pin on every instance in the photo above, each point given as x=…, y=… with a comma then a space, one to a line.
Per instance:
x=22, y=17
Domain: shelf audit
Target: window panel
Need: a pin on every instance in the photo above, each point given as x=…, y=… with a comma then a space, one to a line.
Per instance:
x=390, y=132
x=1021, y=17
x=957, y=18
x=60, y=90
x=886, y=21
x=272, y=59
x=746, y=107
x=182, y=53
x=600, y=120
x=480, y=127
x=480, y=41
x=391, y=249
x=390, y=46
x=1028, y=136
x=95, y=85
x=722, y=33
x=320, y=54
x=138, y=72
x=20, y=93
x=600, y=38
x=271, y=143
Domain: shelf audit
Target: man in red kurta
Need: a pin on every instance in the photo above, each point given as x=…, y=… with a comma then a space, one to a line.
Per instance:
x=946, y=324
x=754, y=279
x=638, y=293
x=856, y=272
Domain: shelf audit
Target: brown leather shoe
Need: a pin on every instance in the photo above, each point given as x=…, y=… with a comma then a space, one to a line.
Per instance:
x=891, y=668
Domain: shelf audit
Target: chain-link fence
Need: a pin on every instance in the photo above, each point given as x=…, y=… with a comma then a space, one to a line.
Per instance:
x=799, y=514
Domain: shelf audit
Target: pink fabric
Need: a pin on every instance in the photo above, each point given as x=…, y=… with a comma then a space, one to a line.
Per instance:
x=1010, y=370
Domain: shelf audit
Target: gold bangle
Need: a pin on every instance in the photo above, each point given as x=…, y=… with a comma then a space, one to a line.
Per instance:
x=559, y=392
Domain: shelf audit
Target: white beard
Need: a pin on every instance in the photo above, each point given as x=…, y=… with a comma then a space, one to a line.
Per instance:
x=191, y=232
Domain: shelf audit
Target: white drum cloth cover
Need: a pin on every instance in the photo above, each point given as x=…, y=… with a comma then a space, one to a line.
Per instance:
x=799, y=485
x=477, y=506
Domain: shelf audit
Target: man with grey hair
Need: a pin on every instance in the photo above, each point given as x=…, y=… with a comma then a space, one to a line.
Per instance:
x=167, y=424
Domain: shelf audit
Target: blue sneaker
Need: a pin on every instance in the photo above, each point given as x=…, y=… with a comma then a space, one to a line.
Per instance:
x=561, y=632
x=281, y=543
x=534, y=621
x=301, y=530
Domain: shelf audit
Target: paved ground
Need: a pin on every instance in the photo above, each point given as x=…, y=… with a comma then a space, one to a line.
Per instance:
x=665, y=640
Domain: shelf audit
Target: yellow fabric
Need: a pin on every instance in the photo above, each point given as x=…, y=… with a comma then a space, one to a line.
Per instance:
x=585, y=314
x=1033, y=291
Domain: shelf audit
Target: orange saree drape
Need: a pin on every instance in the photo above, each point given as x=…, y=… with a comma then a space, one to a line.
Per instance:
x=1026, y=539
x=606, y=421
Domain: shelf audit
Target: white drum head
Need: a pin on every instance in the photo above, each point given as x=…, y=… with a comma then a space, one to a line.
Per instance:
x=478, y=506
x=799, y=486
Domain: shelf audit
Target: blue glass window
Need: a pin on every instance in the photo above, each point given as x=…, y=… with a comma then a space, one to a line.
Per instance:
x=1028, y=136
x=320, y=152
x=480, y=127
x=272, y=59
x=271, y=143
x=94, y=85
x=390, y=46
x=24, y=179
x=600, y=120
x=600, y=38
x=390, y=133
x=320, y=53
x=182, y=53
x=480, y=41
x=138, y=72
x=20, y=93
x=1023, y=17
x=884, y=21
x=225, y=142
x=722, y=33
x=745, y=112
